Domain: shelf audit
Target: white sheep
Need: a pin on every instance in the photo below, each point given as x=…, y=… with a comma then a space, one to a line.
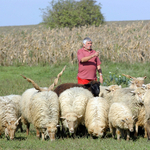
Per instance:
x=38, y=103
x=120, y=118
x=24, y=104
x=126, y=96
x=73, y=103
x=44, y=112
x=16, y=99
x=96, y=116
x=142, y=95
x=8, y=117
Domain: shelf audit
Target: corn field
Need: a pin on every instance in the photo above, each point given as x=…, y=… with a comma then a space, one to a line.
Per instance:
x=31, y=45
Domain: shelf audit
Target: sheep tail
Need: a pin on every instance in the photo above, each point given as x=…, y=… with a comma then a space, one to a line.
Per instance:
x=33, y=83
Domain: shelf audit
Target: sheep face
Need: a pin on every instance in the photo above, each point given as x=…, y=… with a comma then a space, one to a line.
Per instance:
x=10, y=128
x=70, y=120
x=97, y=131
x=51, y=132
x=139, y=94
x=128, y=124
x=94, y=87
x=138, y=81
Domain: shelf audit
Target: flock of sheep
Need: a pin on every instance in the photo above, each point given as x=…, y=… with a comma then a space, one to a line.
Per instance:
x=73, y=109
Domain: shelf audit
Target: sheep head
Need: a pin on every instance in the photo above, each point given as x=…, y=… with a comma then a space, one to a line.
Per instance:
x=128, y=123
x=136, y=82
x=71, y=121
x=94, y=87
x=139, y=94
x=10, y=128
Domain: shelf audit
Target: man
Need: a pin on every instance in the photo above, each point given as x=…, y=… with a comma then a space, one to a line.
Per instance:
x=88, y=63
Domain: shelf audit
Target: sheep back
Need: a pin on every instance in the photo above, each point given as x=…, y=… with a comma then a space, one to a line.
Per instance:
x=96, y=115
x=117, y=113
x=92, y=86
x=74, y=100
x=25, y=101
x=44, y=109
x=125, y=96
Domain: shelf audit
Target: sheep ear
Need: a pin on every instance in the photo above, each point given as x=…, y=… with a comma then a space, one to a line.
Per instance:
x=134, y=117
x=8, y=123
x=87, y=85
x=63, y=118
x=90, y=131
x=133, y=92
x=4, y=126
x=17, y=122
x=58, y=126
x=79, y=116
x=103, y=128
x=143, y=85
x=108, y=90
x=122, y=120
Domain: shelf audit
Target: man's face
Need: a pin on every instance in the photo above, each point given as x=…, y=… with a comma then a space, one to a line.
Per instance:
x=88, y=45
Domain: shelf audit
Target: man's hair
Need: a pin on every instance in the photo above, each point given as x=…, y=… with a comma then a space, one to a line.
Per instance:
x=86, y=39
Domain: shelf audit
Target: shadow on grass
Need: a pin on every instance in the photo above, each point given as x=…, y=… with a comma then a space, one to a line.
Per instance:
x=20, y=138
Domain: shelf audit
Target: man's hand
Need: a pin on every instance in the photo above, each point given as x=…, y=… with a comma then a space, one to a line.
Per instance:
x=96, y=54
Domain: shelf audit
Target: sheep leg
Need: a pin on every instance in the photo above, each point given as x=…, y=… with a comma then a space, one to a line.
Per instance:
x=122, y=133
x=20, y=126
x=112, y=130
x=128, y=135
x=42, y=136
x=136, y=130
x=28, y=126
x=118, y=134
x=63, y=132
x=148, y=135
x=145, y=136
x=58, y=132
x=37, y=133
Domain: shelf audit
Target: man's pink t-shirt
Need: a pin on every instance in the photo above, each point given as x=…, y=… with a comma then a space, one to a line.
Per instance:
x=87, y=70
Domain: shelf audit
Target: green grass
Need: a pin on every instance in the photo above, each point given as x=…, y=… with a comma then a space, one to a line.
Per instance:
x=22, y=141
x=12, y=83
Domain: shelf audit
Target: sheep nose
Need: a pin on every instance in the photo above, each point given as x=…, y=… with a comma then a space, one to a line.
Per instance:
x=53, y=139
x=71, y=130
x=131, y=130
